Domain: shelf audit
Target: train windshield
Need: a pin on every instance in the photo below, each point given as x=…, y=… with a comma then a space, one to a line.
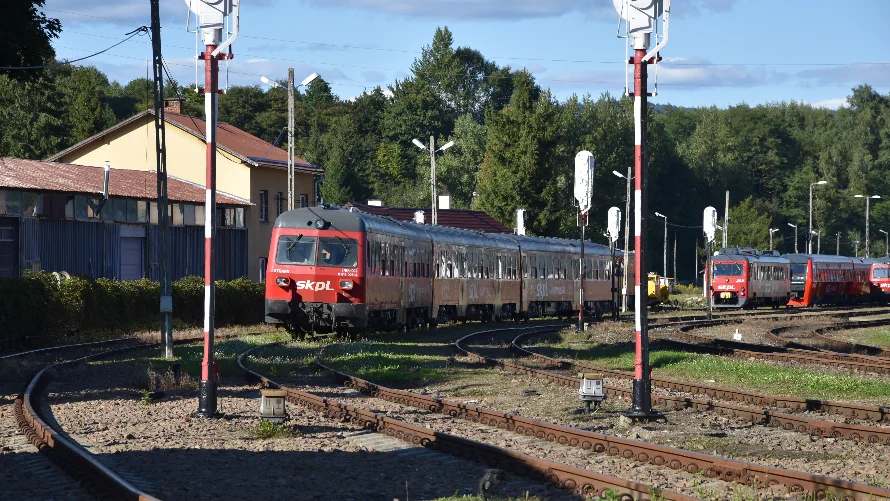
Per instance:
x=338, y=252
x=798, y=272
x=727, y=270
x=880, y=273
x=296, y=250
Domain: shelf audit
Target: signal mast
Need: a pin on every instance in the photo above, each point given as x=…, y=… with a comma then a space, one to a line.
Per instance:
x=640, y=23
x=211, y=19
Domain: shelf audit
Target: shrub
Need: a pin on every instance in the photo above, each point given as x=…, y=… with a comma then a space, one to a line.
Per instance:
x=36, y=305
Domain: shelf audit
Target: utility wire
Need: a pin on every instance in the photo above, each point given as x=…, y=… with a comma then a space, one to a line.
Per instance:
x=138, y=31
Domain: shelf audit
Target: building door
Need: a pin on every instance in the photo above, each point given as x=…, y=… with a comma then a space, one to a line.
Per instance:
x=131, y=258
x=8, y=248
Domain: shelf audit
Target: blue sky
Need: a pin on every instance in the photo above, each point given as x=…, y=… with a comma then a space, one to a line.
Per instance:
x=721, y=52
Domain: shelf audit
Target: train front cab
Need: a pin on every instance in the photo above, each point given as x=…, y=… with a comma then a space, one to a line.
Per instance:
x=880, y=281
x=729, y=285
x=314, y=279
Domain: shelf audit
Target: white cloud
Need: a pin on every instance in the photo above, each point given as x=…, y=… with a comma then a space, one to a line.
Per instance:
x=846, y=74
x=831, y=104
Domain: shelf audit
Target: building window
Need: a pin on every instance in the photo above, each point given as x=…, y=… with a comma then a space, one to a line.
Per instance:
x=264, y=206
x=279, y=198
x=262, y=264
x=304, y=200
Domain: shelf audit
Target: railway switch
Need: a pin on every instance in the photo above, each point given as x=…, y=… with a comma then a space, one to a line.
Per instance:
x=591, y=390
x=272, y=407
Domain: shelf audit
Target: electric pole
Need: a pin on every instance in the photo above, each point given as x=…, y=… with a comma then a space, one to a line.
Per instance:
x=290, y=139
x=838, y=244
x=161, y=153
x=726, y=223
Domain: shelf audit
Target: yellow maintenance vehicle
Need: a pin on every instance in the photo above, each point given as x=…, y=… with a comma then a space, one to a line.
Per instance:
x=659, y=290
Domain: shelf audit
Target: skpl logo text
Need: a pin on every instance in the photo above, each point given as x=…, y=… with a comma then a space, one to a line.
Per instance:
x=313, y=286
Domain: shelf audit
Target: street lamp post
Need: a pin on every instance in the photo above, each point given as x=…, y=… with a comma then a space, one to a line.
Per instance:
x=795, y=236
x=665, y=242
x=290, y=126
x=886, y=243
x=629, y=177
x=856, y=251
x=867, y=200
x=810, y=236
x=818, y=241
x=434, y=220
x=771, y=231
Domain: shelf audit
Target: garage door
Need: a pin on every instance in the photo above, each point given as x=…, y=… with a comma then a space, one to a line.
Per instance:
x=131, y=258
x=7, y=250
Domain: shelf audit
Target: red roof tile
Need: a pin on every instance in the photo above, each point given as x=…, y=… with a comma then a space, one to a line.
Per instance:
x=238, y=141
x=16, y=173
x=453, y=218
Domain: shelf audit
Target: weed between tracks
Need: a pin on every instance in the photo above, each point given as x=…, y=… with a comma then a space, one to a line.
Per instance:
x=612, y=350
x=265, y=430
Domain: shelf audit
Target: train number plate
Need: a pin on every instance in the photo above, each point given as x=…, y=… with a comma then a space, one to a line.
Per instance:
x=725, y=295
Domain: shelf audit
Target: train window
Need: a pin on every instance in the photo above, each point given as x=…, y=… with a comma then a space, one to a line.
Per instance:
x=338, y=252
x=727, y=269
x=296, y=250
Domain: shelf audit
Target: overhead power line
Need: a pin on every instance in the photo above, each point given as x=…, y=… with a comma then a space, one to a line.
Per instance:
x=138, y=31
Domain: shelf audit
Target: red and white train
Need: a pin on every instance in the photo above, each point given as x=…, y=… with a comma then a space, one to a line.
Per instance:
x=745, y=278
x=337, y=270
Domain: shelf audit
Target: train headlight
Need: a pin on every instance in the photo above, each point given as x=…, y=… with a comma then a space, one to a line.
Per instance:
x=320, y=224
x=346, y=284
x=282, y=281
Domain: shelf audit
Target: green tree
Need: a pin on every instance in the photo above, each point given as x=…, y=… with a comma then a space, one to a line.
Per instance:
x=457, y=168
x=27, y=38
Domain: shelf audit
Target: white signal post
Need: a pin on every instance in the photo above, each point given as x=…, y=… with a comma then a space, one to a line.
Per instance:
x=584, y=165
x=709, y=223
x=641, y=21
x=211, y=20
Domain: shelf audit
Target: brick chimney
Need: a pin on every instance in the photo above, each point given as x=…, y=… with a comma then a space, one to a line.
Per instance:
x=173, y=106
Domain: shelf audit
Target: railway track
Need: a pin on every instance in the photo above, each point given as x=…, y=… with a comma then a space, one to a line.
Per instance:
x=713, y=467
x=787, y=352
x=82, y=467
x=574, y=479
x=762, y=416
x=658, y=455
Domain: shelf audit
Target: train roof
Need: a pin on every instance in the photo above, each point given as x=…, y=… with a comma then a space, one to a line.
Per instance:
x=354, y=220
x=818, y=258
x=546, y=244
x=750, y=259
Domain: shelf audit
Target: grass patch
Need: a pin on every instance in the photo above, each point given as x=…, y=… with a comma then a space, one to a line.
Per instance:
x=878, y=337
x=264, y=430
x=755, y=376
x=398, y=363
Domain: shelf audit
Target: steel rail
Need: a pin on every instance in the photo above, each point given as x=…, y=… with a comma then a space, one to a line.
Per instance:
x=574, y=479
x=741, y=349
x=63, y=347
x=68, y=454
x=693, y=462
x=855, y=411
x=814, y=427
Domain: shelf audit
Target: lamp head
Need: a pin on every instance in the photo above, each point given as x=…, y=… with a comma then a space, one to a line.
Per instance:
x=858, y=196
x=308, y=80
x=447, y=145
x=660, y=215
x=622, y=176
x=792, y=225
x=822, y=182
x=876, y=196
x=418, y=144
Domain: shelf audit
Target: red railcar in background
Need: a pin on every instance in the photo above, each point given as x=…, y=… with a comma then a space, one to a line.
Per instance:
x=745, y=278
x=819, y=279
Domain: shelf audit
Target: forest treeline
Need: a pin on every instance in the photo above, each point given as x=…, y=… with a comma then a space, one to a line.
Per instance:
x=515, y=144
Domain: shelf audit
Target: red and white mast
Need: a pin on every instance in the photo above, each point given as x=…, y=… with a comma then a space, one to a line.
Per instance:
x=211, y=16
x=641, y=21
